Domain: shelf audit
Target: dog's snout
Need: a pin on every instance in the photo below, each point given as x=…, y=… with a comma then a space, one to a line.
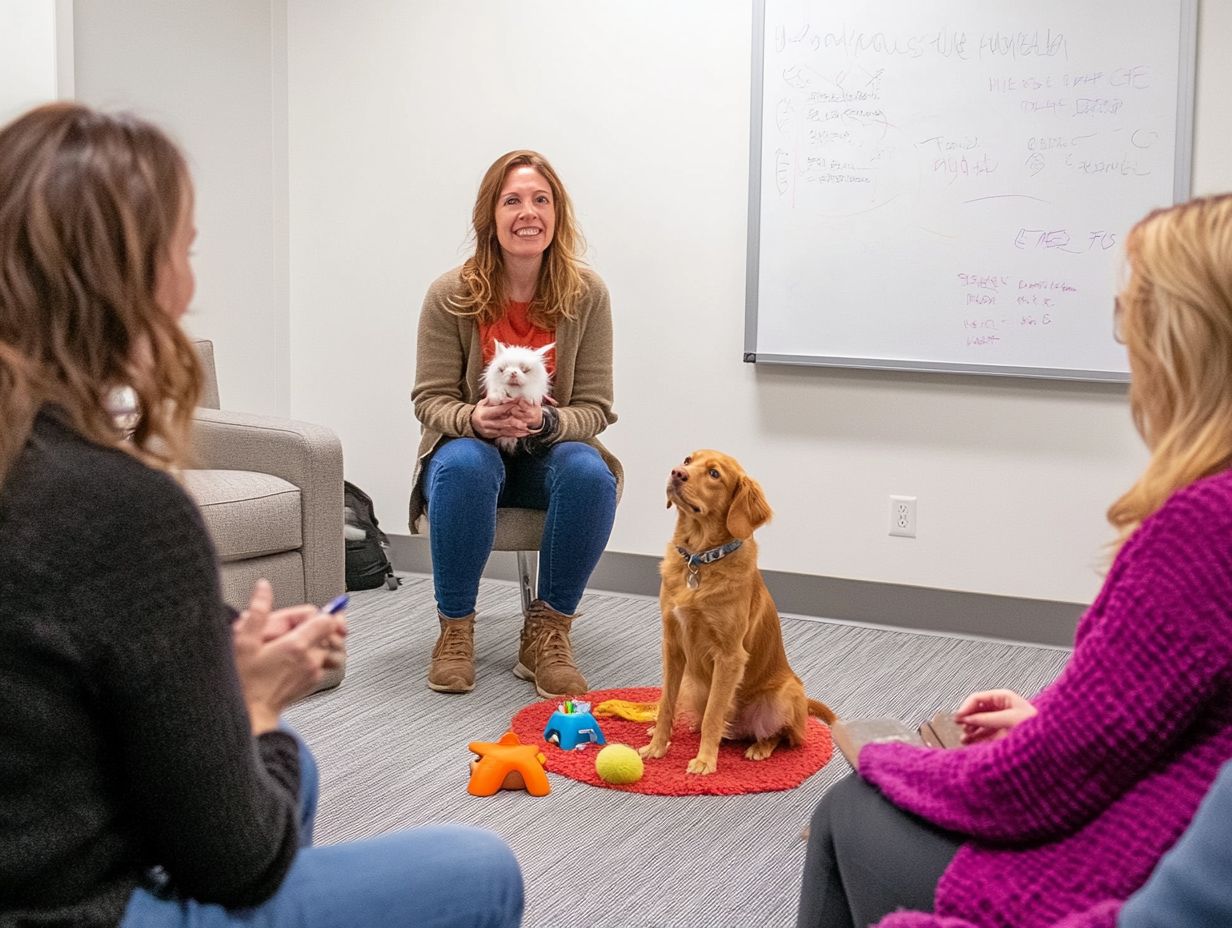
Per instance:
x=679, y=475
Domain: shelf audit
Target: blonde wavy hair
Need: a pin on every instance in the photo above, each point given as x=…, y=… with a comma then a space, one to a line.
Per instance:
x=88, y=205
x=560, y=284
x=1176, y=322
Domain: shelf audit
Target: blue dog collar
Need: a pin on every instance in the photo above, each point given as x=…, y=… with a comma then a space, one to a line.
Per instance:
x=709, y=557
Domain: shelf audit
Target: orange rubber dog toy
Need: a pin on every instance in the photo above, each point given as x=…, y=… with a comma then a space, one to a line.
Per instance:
x=507, y=764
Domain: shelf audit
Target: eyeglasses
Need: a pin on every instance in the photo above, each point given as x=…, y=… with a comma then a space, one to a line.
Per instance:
x=1118, y=313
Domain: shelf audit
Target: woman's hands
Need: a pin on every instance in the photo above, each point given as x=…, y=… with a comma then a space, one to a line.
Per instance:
x=513, y=418
x=281, y=655
x=990, y=714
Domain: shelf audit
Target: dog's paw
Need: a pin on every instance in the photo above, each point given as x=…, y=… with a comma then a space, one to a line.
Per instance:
x=652, y=751
x=760, y=750
x=702, y=767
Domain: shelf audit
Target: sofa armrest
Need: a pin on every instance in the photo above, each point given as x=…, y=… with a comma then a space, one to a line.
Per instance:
x=309, y=456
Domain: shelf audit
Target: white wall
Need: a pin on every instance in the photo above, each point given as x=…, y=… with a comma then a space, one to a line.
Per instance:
x=212, y=74
x=392, y=112
x=29, y=65
x=1213, y=108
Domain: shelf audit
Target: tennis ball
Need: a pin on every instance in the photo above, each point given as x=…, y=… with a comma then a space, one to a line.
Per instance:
x=619, y=763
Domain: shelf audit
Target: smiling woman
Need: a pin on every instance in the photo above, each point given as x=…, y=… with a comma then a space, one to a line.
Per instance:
x=525, y=221
x=525, y=285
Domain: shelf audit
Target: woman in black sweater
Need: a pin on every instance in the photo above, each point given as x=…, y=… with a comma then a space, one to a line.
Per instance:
x=144, y=778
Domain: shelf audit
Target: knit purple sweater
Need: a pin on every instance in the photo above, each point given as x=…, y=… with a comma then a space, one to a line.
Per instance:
x=1068, y=814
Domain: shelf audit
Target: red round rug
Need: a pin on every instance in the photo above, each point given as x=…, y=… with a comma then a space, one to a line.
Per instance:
x=786, y=768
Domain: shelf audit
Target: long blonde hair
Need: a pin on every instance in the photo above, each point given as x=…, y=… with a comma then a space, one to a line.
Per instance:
x=88, y=205
x=560, y=283
x=1177, y=326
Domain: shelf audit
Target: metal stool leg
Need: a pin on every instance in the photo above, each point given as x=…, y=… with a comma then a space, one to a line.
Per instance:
x=528, y=565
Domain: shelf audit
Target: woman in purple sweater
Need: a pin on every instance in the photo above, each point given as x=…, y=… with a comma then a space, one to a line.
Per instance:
x=1058, y=808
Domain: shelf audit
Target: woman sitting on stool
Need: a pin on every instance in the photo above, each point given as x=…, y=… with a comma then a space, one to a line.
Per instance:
x=525, y=286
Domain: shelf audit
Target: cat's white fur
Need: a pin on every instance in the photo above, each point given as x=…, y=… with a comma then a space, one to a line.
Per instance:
x=514, y=372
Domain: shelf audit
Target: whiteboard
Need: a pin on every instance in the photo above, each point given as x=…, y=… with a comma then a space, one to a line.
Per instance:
x=947, y=185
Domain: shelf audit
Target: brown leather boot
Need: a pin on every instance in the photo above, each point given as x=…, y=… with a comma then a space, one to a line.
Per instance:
x=546, y=656
x=453, y=658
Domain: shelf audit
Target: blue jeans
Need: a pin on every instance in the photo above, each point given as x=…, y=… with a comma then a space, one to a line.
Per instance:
x=441, y=876
x=467, y=479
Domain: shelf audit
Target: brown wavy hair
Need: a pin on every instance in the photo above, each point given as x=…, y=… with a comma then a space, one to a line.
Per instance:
x=560, y=285
x=1176, y=319
x=88, y=206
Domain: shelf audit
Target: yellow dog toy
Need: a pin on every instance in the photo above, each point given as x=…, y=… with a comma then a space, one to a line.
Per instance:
x=626, y=709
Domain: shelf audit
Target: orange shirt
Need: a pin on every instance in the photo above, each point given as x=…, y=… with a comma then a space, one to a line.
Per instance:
x=515, y=328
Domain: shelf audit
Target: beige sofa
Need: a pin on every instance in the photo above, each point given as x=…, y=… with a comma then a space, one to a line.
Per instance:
x=270, y=491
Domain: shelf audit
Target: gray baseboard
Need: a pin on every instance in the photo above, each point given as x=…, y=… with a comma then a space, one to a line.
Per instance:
x=913, y=607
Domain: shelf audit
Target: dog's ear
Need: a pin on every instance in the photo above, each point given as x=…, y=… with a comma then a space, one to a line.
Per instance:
x=749, y=510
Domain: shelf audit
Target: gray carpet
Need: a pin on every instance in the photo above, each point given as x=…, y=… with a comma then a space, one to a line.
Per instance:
x=393, y=755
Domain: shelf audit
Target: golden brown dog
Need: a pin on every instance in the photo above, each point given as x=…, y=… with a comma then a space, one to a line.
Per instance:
x=723, y=657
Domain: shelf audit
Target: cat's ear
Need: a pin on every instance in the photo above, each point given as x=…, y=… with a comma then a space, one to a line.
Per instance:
x=500, y=346
x=543, y=352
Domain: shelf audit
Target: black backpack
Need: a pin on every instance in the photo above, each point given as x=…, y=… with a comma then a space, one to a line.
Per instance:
x=367, y=564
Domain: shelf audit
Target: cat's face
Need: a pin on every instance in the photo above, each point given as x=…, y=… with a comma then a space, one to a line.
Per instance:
x=513, y=373
x=516, y=371
x=525, y=214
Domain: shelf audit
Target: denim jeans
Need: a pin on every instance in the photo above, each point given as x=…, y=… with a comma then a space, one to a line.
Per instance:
x=440, y=876
x=467, y=479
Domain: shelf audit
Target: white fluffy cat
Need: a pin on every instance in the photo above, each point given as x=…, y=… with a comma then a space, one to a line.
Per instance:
x=514, y=372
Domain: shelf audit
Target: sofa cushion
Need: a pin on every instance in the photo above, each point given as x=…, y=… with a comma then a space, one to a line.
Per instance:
x=248, y=514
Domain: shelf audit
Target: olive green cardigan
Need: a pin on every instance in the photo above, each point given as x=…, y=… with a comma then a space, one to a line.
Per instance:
x=449, y=370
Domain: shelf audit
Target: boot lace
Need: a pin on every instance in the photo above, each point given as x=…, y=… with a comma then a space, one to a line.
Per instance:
x=552, y=647
x=453, y=645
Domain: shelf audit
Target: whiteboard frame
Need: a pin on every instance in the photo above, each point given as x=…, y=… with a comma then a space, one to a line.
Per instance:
x=1187, y=59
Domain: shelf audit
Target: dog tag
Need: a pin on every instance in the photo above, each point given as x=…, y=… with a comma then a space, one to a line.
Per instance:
x=692, y=581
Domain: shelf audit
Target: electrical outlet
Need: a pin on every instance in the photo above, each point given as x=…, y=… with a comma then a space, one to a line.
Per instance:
x=902, y=516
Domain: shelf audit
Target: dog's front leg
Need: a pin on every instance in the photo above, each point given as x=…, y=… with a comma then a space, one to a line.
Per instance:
x=728, y=671
x=673, y=671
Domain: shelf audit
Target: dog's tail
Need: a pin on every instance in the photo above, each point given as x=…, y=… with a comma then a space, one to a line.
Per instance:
x=822, y=711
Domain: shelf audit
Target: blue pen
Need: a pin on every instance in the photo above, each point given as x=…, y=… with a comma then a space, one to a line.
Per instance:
x=337, y=604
